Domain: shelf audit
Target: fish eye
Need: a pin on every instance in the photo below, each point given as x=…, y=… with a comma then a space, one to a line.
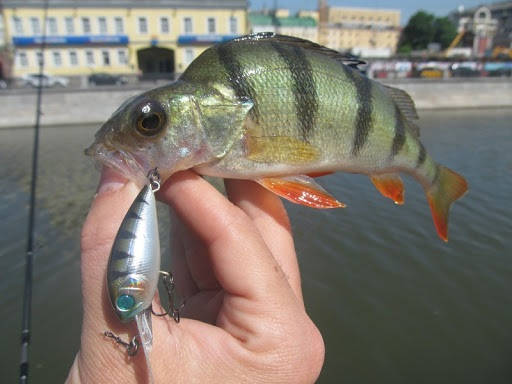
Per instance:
x=150, y=118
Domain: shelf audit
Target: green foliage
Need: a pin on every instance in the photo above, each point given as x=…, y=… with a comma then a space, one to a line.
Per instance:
x=445, y=31
x=405, y=49
x=424, y=28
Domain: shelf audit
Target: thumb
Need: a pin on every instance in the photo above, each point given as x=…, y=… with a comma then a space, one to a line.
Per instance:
x=114, y=196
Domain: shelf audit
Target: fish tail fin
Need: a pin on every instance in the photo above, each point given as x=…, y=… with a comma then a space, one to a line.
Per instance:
x=447, y=187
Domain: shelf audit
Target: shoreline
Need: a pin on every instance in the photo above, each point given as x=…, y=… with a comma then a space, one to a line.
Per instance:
x=65, y=107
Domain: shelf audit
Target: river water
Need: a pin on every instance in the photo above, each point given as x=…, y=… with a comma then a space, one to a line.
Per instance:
x=394, y=303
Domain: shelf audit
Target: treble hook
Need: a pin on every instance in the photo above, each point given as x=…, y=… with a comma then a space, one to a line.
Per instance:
x=131, y=348
x=168, y=280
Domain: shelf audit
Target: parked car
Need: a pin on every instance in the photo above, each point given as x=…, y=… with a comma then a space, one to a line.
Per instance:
x=32, y=79
x=500, y=72
x=465, y=72
x=106, y=79
x=431, y=73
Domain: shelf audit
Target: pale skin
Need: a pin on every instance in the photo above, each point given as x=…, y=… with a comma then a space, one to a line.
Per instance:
x=234, y=260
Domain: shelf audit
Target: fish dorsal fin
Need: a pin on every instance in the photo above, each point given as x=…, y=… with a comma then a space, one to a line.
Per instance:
x=413, y=128
x=403, y=101
x=348, y=60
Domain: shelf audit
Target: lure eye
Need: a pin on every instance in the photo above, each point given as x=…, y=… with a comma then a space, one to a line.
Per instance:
x=150, y=118
x=125, y=302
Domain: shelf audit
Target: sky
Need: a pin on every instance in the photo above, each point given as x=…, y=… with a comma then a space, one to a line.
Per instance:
x=408, y=8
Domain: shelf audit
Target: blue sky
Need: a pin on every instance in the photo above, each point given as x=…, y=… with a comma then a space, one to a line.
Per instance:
x=438, y=7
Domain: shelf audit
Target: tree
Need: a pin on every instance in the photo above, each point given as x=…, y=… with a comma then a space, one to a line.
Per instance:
x=445, y=31
x=424, y=28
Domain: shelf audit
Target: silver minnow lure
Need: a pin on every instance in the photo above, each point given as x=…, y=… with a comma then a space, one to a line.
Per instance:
x=134, y=263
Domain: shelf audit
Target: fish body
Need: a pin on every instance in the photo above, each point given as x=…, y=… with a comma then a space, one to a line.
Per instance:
x=278, y=110
x=134, y=263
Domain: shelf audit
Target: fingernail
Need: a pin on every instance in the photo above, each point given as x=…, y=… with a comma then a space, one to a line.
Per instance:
x=110, y=181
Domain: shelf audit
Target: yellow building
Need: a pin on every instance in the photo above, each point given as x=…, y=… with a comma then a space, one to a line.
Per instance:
x=363, y=31
x=148, y=37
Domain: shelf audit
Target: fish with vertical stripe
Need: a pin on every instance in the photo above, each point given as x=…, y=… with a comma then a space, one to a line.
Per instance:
x=280, y=110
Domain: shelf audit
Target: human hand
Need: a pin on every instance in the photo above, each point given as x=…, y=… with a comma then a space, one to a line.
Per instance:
x=234, y=262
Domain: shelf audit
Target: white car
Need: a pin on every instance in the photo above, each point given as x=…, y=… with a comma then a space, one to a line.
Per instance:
x=32, y=79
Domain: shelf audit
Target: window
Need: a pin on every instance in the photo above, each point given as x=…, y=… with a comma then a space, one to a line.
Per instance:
x=102, y=24
x=18, y=25
x=143, y=25
x=35, y=25
x=119, y=25
x=121, y=57
x=52, y=26
x=23, y=60
x=211, y=25
x=39, y=57
x=57, y=59
x=70, y=25
x=187, y=25
x=89, y=57
x=106, y=57
x=73, y=58
x=86, y=25
x=189, y=56
x=233, y=25
x=164, y=25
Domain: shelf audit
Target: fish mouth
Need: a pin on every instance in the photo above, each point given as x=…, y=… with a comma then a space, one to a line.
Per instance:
x=125, y=163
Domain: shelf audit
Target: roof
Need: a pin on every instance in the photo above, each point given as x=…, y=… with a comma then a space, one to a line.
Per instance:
x=499, y=6
x=296, y=22
x=238, y=4
x=256, y=18
x=260, y=19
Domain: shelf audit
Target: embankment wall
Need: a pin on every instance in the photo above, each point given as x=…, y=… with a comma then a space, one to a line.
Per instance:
x=93, y=106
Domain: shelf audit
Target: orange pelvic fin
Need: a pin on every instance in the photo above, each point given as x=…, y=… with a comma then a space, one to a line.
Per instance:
x=302, y=190
x=448, y=187
x=390, y=185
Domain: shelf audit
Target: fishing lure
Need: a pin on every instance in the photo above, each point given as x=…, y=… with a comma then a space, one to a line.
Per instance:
x=134, y=268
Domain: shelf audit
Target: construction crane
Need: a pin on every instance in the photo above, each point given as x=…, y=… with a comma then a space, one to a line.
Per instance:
x=454, y=43
x=501, y=52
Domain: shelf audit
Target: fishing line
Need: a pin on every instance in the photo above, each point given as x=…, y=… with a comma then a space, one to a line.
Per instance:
x=29, y=258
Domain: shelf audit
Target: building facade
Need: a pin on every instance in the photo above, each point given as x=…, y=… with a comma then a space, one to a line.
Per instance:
x=147, y=37
x=362, y=31
x=489, y=26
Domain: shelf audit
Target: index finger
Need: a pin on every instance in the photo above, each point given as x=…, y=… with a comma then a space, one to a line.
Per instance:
x=242, y=263
x=269, y=215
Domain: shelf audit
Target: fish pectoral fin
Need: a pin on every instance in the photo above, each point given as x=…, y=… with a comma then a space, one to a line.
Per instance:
x=301, y=189
x=279, y=149
x=389, y=185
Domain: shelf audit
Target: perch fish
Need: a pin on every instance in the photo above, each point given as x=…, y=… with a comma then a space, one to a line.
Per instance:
x=278, y=110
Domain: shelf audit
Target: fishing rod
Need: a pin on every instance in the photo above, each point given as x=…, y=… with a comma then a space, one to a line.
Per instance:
x=29, y=258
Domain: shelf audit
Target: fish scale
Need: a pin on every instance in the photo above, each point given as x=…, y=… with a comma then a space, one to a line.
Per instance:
x=278, y=110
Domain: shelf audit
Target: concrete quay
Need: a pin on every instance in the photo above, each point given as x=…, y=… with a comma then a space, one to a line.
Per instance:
x=95, y=105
